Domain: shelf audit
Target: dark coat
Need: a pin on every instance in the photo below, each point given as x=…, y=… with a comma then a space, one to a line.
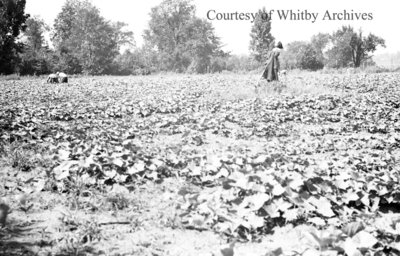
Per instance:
x=272, y=65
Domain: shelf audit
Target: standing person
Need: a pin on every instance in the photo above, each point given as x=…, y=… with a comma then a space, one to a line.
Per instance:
x=63, y=77
x=272, y=63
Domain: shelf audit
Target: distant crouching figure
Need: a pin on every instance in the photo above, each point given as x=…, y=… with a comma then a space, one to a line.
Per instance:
x=63, y=77
x=52, y=78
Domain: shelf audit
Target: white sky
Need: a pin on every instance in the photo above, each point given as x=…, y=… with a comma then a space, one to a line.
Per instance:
x=235, y=34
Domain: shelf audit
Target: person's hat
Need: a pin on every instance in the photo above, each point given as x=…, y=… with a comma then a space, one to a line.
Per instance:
x=279, y=45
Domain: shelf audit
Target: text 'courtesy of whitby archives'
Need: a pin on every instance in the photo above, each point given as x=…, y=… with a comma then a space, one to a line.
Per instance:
x=290, y=15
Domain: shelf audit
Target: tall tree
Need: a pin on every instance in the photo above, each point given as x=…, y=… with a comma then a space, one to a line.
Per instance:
x=34, y=32
x=340, y=54
x=181, y=38
x=167, y=32
x=292, y=54
x=352, y=48
x=361, y=47
x=85, y=41
x=320, y=42
x=202, y=44
x=36, y=57
x=261, y=37
x=12, y=22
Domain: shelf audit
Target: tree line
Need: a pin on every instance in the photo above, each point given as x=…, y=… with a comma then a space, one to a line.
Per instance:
x=343, y=48
x=82, y=41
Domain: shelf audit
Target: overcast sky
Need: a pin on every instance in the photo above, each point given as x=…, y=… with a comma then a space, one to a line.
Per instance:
x=382, y=19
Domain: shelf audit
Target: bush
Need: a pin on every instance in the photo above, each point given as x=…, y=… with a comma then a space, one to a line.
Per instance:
x=141, y=71
x=11, y=77
x=349, y=71
x=375, y=69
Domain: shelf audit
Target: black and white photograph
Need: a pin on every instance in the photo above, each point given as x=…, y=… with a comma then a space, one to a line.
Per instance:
x=199, y=128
